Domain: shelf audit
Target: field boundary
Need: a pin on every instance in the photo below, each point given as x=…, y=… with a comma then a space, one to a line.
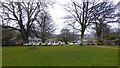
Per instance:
x=106, y=47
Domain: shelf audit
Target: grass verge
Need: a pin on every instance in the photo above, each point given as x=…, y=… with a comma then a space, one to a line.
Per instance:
x=59, y=56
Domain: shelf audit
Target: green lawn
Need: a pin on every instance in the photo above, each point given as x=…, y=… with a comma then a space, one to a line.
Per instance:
x=0, y=56
x=59, y=56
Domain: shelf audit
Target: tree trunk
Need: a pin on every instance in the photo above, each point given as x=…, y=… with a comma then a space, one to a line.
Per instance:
x=43, y=39
x=25, y=37
x=82, y=34
x=99, y=33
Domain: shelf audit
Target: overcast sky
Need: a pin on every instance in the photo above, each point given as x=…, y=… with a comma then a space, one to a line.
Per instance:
x=58, y=12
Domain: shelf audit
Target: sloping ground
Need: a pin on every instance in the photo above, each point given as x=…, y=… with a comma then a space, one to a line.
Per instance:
x=59, y=56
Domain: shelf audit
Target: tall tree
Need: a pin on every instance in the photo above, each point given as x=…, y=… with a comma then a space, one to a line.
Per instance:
x=81, y=14
x=103, y=13
x=66, y=36
x=21, y=16
x=45, y=26
x=73, y=31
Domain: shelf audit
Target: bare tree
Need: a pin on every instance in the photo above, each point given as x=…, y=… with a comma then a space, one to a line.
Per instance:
x=99, y=13
x=21, y=16
x=80, y=13
x=45, y=26
x=65, y=36
x=103, y=14
x=73, y=31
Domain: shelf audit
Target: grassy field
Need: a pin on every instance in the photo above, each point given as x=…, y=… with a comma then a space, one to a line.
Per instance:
x=59, y=56
x=0, y=56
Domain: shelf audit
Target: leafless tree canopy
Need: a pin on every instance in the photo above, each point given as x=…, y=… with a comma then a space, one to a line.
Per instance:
x=22, y=16
x=33, y=18
x=81, y=14
x=44, y=26
x=91, y=12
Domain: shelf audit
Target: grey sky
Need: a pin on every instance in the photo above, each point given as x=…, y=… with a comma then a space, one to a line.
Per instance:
x=58, y=12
